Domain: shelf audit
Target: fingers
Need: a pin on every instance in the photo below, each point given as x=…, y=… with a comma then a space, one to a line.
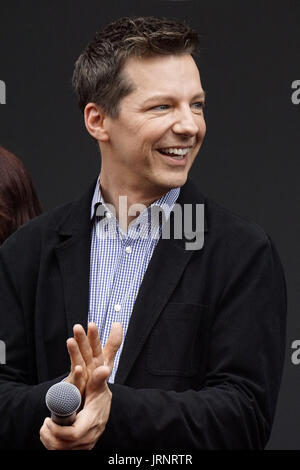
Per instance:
x=62, y=432
x=93, y=337
x=55, y=437
x=82, y=435
x=112, y=344
x=89, y=346
x=78, y=379
x=74, y=353
x=83, y=344
x=78, y=374
x=87, y=355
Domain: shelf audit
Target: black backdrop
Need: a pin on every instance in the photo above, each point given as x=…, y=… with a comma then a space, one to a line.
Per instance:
x=250, y=68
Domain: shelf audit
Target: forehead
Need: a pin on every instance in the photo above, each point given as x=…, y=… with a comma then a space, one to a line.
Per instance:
x=170, y=74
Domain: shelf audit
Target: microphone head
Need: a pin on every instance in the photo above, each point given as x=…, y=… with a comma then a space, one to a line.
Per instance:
x=63, y=399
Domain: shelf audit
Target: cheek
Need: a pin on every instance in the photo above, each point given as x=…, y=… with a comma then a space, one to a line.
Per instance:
x=123, y=140
x=158, y=131
x=202, y=128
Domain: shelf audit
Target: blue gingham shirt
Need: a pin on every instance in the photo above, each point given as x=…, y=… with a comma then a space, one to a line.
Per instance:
x=118, y=263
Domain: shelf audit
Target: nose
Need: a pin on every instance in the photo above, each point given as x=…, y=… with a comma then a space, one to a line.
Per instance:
x=186, y=122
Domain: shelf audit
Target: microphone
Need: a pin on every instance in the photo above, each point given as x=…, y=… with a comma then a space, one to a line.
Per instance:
x=63, y=400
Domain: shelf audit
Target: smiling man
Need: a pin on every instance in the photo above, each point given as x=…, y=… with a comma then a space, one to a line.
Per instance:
x=150, y=146
x=194, y=339
x=152, y=143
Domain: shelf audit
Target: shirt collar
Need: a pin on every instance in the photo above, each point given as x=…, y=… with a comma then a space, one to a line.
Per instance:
x=166, y=202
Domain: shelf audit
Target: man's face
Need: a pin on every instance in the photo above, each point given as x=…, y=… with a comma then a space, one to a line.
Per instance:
x=160, y=127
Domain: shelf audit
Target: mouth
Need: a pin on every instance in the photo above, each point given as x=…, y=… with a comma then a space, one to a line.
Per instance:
x=175, y=154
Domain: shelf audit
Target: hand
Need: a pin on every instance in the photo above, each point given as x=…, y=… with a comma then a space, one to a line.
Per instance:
x=86, y=352
x=90, y=368
x=90, y=421
x=84, y=355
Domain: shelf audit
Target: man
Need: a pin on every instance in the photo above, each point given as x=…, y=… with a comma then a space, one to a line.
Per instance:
x=196, y=337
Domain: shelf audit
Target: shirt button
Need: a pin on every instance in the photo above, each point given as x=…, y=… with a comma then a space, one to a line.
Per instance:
x=108, y=215
x=117, y=307
x=128, y=249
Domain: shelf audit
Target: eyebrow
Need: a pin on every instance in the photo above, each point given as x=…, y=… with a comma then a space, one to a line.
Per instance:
x=162, y=96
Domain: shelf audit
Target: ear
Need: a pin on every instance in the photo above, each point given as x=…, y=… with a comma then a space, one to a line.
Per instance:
x=95, y=122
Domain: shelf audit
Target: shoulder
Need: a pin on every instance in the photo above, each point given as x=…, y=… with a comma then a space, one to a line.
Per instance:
x=222, y=222
x=225, y=223
x=238, y=245
x=229, y=236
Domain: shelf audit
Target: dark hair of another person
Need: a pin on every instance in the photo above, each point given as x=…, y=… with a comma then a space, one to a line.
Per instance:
x=18, y=199
x=98, y=76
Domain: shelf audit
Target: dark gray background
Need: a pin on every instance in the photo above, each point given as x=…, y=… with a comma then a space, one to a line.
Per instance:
x=249, y=161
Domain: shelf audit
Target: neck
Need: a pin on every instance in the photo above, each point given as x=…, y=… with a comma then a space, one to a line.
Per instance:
x=111, y=192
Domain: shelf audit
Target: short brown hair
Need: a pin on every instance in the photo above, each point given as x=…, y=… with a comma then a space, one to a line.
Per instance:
x=18, y=199
x=98, y=76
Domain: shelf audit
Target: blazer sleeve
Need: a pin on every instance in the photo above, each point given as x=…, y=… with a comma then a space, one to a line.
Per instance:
x=235, y=406
x=22, y=401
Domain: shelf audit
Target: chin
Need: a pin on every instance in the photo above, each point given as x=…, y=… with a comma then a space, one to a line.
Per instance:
x=176, y=181
x=165, y=181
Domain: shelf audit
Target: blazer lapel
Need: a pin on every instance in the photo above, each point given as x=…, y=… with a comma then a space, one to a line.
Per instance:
x=73, y=255
x=167, y=264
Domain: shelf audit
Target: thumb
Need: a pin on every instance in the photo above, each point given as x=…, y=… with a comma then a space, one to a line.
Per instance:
x=98, y=378
x=76, y=378
x=112, y=344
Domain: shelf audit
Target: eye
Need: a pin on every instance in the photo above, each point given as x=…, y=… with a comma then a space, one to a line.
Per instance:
x=161, y=107
x=199, y=105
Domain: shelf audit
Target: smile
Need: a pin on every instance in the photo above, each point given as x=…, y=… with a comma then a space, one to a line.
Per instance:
x=176, y=153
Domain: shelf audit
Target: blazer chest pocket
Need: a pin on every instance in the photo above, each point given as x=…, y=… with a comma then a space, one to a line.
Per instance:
x=177, y=340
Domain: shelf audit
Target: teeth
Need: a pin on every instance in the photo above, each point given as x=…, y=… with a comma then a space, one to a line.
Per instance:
x=177, y=151
x=180, y=153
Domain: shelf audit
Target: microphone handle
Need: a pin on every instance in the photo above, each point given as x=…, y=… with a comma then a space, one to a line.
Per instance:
x=63, y=420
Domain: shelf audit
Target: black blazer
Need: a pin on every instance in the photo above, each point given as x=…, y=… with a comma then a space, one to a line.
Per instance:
x=203, y=356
